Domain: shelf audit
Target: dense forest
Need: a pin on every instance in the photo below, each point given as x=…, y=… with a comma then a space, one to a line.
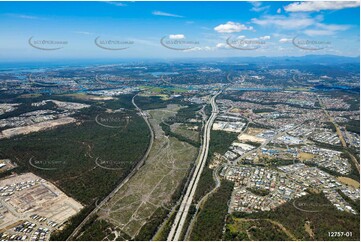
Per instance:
x=326, y=219
x=211, y=217
x=220, y=142
x=78, y=156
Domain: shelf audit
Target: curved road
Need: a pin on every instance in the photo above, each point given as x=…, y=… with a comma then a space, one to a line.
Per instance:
x=203, y=200
x=136, y=168
x=182, y=213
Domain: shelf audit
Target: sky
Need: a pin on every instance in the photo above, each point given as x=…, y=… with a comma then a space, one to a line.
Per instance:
x=121, y=30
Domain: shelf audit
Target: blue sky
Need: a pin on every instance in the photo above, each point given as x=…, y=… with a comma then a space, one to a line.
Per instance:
x=270, y=27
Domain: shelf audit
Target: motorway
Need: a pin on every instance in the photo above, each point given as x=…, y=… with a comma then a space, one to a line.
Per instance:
x=217, y=180
x=182, y=213
x=136, y=168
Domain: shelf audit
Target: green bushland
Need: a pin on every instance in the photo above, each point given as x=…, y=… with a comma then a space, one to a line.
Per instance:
x=211, y=217
x=182, y=116
x=354, y=204
x=205, y=184
x=353, y=174
x=352, y=126
x=167, y=131
x=264, y=110
x=100, y=230
x=255, y=144
x=73, y=149
x=208, y=110
x=330, y=125
x=219, y=143
x=325, y=220
x=151, y=102
x=148, y=230
x=259, y=230
x=278, y=162
x=163, y=234
x=258, y=191
x=257, y=125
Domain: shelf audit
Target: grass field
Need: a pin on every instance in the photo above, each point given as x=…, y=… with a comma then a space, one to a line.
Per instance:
x=320, y=223
x=152, y=186
x=255, y=229
x=305, y=156
x=349, y=181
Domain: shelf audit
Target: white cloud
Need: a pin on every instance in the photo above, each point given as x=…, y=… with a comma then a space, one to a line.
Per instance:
x=300, y=21
x=222, y=46
x=83, y=32
x=267, y=37
x=285, y=40
x=23, y=16
x=176, y=36
x=326, y=29
x=160, y=13
x=320, y=32
x=118, y=4
x=319, y=5
x=205, y=48
x=257, y=7
x=333, y=27
x=231, y=27
x=279, y=10
x=291, y=22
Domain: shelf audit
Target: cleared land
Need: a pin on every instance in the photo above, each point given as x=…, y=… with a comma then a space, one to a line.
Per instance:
x=152, y=186
x=251, y=138
x=305, y=156
x=35, y=127
x=82, y=96
x=349, y=181
x=22, y=196
x=257, y=229
x=254, y=131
